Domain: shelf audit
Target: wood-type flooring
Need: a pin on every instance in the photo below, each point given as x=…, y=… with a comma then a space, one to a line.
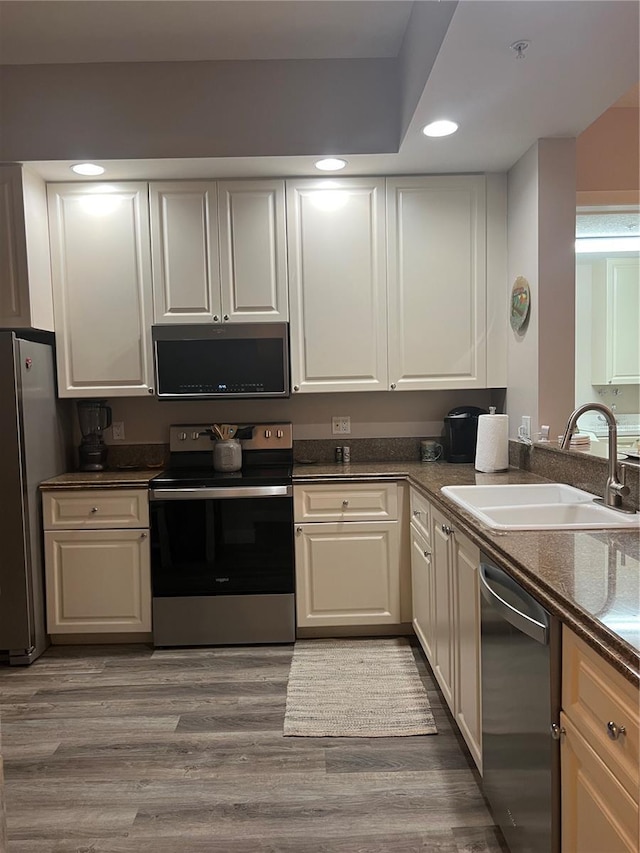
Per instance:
x=123, y=749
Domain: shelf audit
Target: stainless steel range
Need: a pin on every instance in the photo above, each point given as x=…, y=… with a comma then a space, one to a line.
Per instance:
x=222, y=563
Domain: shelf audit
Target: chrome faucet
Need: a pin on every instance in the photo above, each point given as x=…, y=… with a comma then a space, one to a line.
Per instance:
x=614, y=488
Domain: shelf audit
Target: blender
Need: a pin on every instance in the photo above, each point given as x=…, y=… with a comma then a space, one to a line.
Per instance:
x=94, y=417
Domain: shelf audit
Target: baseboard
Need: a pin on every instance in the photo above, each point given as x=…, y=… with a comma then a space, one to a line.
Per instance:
x=354, y=631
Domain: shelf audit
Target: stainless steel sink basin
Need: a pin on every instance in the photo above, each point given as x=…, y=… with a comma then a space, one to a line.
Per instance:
x=538, y=506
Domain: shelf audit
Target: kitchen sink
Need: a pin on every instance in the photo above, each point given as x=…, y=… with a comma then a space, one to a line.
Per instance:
x=538, y=506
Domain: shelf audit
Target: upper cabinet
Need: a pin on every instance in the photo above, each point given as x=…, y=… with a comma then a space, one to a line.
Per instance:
x=218, y=251
x=101, y=270
x=616, y=316
x=337, y=284
x=25, y=271
x=436, y=241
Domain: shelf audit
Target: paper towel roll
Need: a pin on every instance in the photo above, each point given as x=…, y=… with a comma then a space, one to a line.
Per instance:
x=492, y=448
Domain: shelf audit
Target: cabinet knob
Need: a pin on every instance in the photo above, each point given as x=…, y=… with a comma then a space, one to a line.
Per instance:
x=216, y=318
x=94, y=509
x=345, y=503
x=416, y=513
x=427, y=553
x=298, y=530
x=226, y=317
x=393, y=386
x=557, y=731
x=143, y=535
x=151, y=391
x=296, y=387
x=615, y=731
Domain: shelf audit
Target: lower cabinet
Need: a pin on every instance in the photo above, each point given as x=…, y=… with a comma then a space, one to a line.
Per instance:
x=446, y=617
x=97, y=566
x=349, y=570
x=599, y=754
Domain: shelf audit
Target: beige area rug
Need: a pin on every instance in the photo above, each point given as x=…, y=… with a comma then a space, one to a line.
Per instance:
x=356, y=688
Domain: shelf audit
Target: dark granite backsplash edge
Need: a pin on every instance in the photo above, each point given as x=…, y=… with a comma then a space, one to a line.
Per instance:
x=572, y=467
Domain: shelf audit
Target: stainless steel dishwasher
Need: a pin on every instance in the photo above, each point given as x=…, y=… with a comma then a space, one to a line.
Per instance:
x=520, y=712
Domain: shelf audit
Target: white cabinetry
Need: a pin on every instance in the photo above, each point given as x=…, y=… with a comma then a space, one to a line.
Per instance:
x=337, y=285
x=422, y=583
x=97, y=564
x=616, y=320
x=348, y=555
x=101, y=270
x=599, y=754
x=218, y=251
x=447, y=620
x=25, y=269
x=437, y=282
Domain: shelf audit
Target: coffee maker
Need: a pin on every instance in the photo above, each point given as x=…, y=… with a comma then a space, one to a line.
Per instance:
x=94, y=417
x=461, y=433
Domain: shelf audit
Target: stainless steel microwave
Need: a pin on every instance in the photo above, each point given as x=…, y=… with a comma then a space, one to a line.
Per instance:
x=228, y=361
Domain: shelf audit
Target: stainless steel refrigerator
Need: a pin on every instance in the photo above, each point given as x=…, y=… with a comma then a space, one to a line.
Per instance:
x=34, y=446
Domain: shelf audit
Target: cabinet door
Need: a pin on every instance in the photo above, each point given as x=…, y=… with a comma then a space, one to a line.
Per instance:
x=97, y=581
x=337, y=285
x=422, y=592
x=468, y=710
x=101, y=270
x=184, y=244
x=347, y=574
x=253, y=264
x=598, y=815
x=443, y=617
x=437, y=282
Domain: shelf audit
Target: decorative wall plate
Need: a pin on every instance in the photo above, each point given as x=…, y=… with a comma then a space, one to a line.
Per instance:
x=520, y=303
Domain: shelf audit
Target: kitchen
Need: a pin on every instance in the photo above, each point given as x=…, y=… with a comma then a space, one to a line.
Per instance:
x=534, y=370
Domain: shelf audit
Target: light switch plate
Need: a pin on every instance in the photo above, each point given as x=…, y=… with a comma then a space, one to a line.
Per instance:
x=117, y=430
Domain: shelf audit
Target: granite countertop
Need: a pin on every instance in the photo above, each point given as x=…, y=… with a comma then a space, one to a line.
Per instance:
x=590, y=579
x=118, y=479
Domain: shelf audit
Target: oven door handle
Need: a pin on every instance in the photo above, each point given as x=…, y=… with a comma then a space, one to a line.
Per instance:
x=224, y=493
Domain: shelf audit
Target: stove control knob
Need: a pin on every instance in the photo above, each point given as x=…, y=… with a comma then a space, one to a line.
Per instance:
x=182, y=436
x=279, y=433
x=195, y=435
x=267, y=433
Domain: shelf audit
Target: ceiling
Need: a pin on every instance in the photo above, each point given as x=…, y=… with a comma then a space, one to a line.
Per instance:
x=583, y=56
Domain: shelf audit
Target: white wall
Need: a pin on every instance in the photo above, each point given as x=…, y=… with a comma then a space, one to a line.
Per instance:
x=540, y=236
x=373, y=415
x=522, y=249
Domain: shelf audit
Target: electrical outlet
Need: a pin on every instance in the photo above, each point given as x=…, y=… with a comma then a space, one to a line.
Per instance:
x=340, y=425
x=117, y=430
x=526, y=426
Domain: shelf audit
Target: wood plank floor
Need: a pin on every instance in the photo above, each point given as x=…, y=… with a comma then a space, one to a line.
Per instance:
x=123, y=749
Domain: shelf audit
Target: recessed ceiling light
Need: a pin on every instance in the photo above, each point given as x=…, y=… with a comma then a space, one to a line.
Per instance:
x=440, y=128
x=87, y=169
x=330, y=164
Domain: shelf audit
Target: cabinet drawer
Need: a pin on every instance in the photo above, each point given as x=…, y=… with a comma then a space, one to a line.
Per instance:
x=420, y=513
x=356, y=502
x=593, y=695
x=95, y=509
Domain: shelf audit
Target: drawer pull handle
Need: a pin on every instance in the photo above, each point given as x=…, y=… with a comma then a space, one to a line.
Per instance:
x=557, y=731
x=615, y=731
x=94, y=509
x=345, y=503
x=446, y=529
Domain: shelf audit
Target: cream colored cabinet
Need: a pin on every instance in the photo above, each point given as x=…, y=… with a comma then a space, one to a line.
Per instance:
x=348, y=564
x=25, y=268
x=436, y=242
x=218, y=251
x=97, y=562
x=454, y=653
x=101, y=271
x=616, y=320
x=422, y=584
x=599, y=754
x=337, y=283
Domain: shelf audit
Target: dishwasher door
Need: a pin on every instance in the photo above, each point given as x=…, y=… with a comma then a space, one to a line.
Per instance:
x=520, y=702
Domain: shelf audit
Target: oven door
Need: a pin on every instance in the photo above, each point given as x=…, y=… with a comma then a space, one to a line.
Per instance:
x=222, y=541
x=222, y=565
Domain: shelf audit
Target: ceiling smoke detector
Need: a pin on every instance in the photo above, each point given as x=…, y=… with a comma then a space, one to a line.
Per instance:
x=519, y=47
